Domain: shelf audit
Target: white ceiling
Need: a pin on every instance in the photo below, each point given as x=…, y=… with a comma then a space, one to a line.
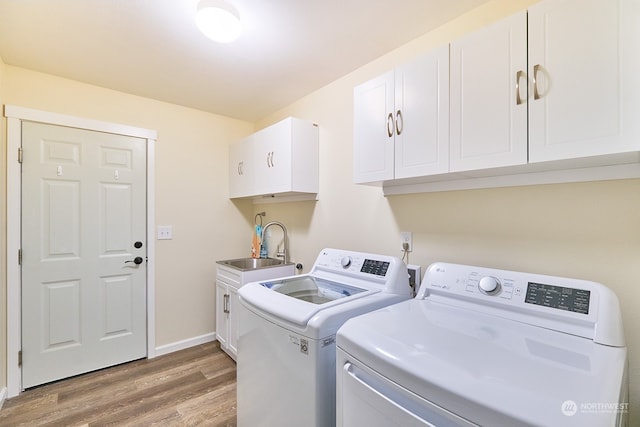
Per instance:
x=152, y=48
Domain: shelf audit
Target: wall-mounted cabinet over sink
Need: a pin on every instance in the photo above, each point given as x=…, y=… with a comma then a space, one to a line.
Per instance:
x=551, y=94
x=279, y=162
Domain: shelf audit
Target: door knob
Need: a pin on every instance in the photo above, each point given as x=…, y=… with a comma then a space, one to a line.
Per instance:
x=137, y=260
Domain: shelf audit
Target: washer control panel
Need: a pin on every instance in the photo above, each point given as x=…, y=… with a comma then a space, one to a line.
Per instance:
x=355, y=262
x=367, y=270
x=574, y=306
x=509, y=287
x=570, y=305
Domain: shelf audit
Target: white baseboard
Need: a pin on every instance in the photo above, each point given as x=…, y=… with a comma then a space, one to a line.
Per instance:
x=3, y=396
x=181, y=345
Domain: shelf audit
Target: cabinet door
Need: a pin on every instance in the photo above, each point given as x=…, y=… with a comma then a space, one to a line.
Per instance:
x=488, y=124
x=222, y=328
x=273, y=158
x=233, y=321
x=584, y=60
x=241, y=170
x=373, y=130
x=422, y=115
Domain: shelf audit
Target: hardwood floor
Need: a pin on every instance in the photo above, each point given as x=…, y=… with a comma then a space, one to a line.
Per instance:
x=192, y=387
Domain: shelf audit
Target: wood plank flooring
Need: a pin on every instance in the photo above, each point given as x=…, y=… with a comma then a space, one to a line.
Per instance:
x=192, y=387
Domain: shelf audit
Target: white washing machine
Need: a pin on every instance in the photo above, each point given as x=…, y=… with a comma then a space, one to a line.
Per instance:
x=486, y=347
x=286, y=349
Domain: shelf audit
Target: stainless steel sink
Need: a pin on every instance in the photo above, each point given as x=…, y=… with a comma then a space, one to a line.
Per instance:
x=246, y=264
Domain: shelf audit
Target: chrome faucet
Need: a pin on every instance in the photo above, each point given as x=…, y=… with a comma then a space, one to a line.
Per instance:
x=285, y=250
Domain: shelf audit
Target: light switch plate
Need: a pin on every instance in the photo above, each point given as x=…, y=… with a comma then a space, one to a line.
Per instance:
x=165, y=232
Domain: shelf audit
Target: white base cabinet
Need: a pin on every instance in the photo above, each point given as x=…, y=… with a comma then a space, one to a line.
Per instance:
x=226, y=322
x=228, y=281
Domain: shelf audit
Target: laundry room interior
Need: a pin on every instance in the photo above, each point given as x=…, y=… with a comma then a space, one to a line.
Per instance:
x=584, y=226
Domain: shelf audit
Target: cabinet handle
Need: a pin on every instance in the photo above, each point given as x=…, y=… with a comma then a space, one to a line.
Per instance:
x=519, y=75
x=390, y=125
x=225, y=303
x=399, y=122
x=239, y=168
x=270, y=163
x=536, y=68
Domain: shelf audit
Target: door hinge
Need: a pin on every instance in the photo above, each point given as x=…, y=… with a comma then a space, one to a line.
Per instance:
x=19, y=154
x=19, y=358
x=19, y=256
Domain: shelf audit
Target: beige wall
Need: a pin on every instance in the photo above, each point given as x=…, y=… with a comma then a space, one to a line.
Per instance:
x=588, y=230
x=191, y=189
x=585, y=230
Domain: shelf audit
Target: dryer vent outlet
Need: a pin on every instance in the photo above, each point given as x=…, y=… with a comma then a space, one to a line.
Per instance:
x=414, y=277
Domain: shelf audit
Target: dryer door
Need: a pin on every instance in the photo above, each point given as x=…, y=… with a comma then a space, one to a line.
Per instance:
x=369, y=399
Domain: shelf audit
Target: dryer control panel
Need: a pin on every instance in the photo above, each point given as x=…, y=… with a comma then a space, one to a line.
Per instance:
x=574, y=306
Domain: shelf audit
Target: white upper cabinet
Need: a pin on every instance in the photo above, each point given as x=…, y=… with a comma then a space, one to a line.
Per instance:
x=422, y=127
x=576, y=68
x=374, y=130
x=273, y=154
x=584, y=69
x=241, y=170
x=401, y=121
x=489, y=97
x=280, y=160
x=550, y=94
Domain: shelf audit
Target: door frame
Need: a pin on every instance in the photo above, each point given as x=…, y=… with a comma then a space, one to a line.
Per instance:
x=15, y=115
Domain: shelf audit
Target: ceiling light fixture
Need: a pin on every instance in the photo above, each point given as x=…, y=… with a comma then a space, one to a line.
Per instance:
x=218, y=20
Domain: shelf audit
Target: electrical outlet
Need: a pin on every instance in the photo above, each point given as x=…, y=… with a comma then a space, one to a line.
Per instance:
x=414, y=277
x=406, y=238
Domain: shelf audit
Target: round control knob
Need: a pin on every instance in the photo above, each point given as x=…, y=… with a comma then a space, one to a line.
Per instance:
x=345, y=262
x=489, y=285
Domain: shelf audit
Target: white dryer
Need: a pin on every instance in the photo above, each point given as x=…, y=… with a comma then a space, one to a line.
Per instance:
x=486, y=347
x=286, y=349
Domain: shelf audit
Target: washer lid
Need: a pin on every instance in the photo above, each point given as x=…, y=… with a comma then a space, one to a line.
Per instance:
x=490, y=370
x=312, y=289
x=297, y=299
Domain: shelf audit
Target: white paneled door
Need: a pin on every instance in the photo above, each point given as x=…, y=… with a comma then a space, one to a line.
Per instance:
x=83, y=251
